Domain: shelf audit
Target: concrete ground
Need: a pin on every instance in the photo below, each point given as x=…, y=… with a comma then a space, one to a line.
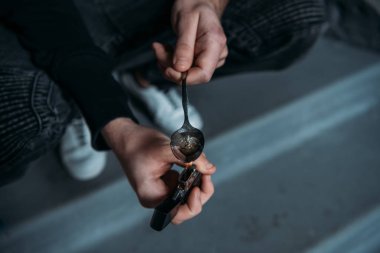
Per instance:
x=298, y=170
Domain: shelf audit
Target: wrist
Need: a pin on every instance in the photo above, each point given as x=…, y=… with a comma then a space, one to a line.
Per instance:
x=217, y=6
x=116, y=128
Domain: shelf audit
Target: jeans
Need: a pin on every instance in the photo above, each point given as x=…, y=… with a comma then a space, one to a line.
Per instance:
x=356, y=22
x=34, y=111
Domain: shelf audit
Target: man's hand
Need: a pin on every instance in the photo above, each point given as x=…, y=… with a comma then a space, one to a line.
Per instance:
x=146, y=157
x=201, y=43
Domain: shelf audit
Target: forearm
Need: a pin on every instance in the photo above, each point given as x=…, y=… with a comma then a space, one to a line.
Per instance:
x=114, y=131
x=54, y=33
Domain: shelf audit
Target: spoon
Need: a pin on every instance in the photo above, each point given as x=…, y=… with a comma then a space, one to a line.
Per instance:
x=187, y=143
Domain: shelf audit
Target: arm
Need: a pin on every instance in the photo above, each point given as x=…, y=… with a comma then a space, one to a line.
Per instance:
x=201, y=42
x=147, y=158
x=54, y=33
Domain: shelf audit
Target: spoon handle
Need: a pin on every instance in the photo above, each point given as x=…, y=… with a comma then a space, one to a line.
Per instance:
x=185, y=99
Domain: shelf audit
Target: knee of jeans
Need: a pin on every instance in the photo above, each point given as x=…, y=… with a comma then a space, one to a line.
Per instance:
x=34, y=120
x=293, y=47
x=273, y=34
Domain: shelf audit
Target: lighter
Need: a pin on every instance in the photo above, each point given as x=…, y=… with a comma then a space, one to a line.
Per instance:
x=164, y=213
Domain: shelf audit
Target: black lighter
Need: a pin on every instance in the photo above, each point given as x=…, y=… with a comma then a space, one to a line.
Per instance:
x=164, y=213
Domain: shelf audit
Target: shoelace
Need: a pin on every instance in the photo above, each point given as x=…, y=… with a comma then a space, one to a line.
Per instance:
x=79, y=129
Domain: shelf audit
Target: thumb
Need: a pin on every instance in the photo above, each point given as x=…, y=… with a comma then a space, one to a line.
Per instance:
x=204, y=166
x=186, y=28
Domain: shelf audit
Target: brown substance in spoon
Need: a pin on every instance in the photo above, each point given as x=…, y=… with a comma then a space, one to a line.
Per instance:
x=189, y=145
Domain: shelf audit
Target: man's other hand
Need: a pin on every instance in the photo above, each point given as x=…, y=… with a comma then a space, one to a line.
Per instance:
x=201, y=42
x=146, y=158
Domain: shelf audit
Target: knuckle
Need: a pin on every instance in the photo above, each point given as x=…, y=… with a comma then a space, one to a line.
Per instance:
x=176, y=222
x=142, y=197
x=198, y=210
x=226, y=52
x=194, y=210
x=223, y=39
x=221, y=63
x=212, y=190
x=219, y=36
x=206, y=76
x=140, y=193
x=167, y=73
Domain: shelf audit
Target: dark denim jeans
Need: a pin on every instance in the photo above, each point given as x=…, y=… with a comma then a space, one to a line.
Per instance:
x=262, y=35
x=356, y=22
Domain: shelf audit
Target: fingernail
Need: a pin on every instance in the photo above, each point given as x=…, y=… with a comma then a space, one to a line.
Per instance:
x=180, y=63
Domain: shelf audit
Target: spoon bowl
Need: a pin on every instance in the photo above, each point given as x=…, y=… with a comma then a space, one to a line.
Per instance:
x=187, y=143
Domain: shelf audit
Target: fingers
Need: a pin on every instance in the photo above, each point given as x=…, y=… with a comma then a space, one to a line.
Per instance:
x=205, y=63
x=168, y=157
x=204, y=166
x=207, y=189
x=210, y=48
x=200, y=49
x=196, y=74
x=151, y=192
x=189, y=210
x=223, y=57
x=163, y=55
x=186, y=28
x=224, y=54
x=171, y=179
x=220, y=63
x=154, y=190
x=198, y=197
x=173, y=75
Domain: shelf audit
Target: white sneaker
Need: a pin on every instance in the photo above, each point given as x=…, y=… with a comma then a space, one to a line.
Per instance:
x=165, y=107
x=80, y=159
